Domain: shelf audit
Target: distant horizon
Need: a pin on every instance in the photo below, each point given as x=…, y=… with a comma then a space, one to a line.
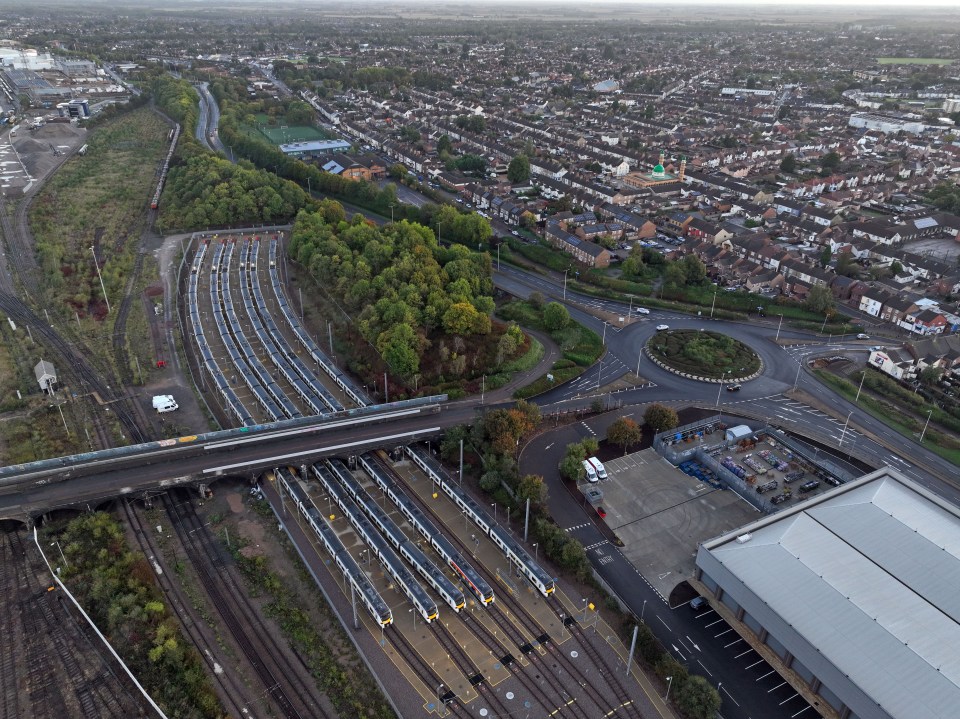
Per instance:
x=786, y=4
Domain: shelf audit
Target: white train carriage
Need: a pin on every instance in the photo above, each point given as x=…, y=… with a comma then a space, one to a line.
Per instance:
x=507, y=544
x=470, y=577
x=369, y=596
x=447, y=590
x=417, y=595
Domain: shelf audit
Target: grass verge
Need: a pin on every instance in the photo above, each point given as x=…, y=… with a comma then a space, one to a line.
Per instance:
x=895, y=416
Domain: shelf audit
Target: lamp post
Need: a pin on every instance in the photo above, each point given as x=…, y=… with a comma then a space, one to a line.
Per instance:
x=65, y=562
x=97, y=265
x=392, y=205
x=844, y=432
x=643, y=609
x=440, y=701
x=857, y=398
x=565, y=284
x=778, y=327
x=925, y=425
x=713, y=303
x=536, y=551
x=494, y=505
x=796, y=380
x=669, y=684
x=720, y=389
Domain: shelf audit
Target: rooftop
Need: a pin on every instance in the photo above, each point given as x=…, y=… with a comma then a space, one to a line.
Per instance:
x=868, y=575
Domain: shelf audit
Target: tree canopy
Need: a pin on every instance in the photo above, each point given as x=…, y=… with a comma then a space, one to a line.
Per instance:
x=519, y=169
x=403, y=288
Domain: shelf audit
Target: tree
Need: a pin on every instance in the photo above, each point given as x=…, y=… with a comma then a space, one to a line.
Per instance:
x=675, y=275
x=931, y=375
x=624, y=432
x=532, y=487
x=555, y=317
x=660, y=418
x=788, y=164
x=825, y=254
x=444, y=145
x=519, y=169
x=695, y=270
x=399, y=348
x=829, y=162
x=697, y=698
x=820, y=300
x=896, y=268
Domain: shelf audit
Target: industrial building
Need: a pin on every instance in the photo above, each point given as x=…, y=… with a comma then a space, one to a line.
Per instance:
x=885, y=123
x=852, y=595
x=314, y=148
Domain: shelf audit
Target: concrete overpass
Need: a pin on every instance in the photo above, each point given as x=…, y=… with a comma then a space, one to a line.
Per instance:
x=82, y=481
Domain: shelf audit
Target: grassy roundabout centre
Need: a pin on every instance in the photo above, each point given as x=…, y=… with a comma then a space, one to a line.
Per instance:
x=704, y=354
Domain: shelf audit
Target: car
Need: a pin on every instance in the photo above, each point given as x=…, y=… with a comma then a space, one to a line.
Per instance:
x=642, y=311
x=862, y=336
x=515, y=233
x=733, y=388
x=602, y=512
x=698, y=603
x=660, y=328
x=876, y=348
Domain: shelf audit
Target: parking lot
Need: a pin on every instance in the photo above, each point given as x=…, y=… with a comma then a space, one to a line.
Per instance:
x=722, y=638
x=661, y=514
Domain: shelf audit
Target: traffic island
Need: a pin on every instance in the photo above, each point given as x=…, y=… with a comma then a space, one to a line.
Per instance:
x=704, y=356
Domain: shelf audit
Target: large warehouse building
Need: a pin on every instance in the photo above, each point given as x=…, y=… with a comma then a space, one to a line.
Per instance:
x=853, y=595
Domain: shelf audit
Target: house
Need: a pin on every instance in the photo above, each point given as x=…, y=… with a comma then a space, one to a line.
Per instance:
x=589, y=253
x=896, y=363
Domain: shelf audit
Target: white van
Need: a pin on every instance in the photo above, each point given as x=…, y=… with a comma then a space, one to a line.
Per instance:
x=598, y=468
x=591, y=472
x=165, y=403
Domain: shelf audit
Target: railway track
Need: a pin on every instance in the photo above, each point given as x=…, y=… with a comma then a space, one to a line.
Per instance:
x=88, y=377
x=232, y=691
x=528, y=624
x=11, y=668
x=121, y=356
x=42, y=689
x=427, y=673
x=294, y=696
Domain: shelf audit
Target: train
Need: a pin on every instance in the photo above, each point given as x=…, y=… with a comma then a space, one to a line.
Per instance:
x=432, y=575
x=342, y=380
x=469, y=576
x=173, y=136
x=377, y=545
x=368, y=594
x=516, y=554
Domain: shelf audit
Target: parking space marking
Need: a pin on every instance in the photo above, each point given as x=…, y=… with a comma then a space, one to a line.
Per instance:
x=761, y=678
x=751, y=666
x=704, y=667
x=806, y=708
x=712, y=623
x=789, y=699
x=737, y=641
x=781, y=684
x=741, y=654
x=727, y=631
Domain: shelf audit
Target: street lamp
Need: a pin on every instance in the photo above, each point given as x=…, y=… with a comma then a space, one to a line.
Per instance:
x=722, y=383
x=494, y=505
x=440, y=701
x=844, y=432
x=65, y=562
x=536, y=551
x=643, y=609
x=669, y=684
x=97, y=265
x=565, y=284
x=925, y=425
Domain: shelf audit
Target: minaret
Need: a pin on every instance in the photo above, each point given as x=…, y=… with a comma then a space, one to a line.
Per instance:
x=683, y=167
x=663, y=158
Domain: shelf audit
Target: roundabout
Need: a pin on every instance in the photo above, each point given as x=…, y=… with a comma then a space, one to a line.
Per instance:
x=704, y=355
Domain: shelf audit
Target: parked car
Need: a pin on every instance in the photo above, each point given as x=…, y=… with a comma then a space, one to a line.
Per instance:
x=698, y=603
x=602, y=512
x=660, y=328
x=514, y=233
